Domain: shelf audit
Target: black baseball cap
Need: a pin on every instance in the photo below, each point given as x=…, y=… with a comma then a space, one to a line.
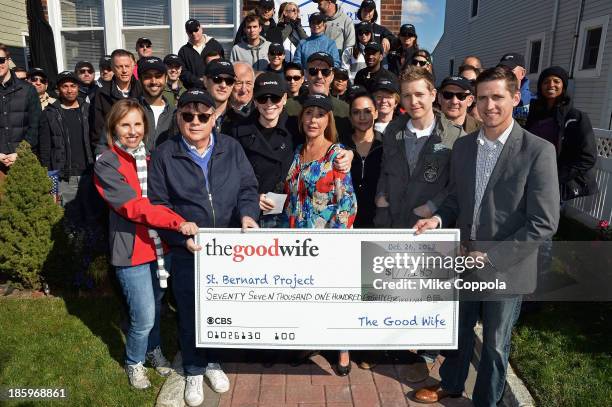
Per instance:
x=368, y=4
x=357, y=90
x=373, y=46
x=386, y=84
x=407, y=30
x=341, y=73
x=512, y=60
x=83, y=64
x=218, y=67
x=172, y=59
x=36, y=72
x=276, y=48
x=151, y=63
x=192, y=25
x=321, y=56
x=105, y=62
x=270, y=83
x=292, y=65
x=67, y=76
x=363, y=26
x=457, y=81
x=143, y=40
x=316, y=18
x=196, y=95
x=318, y=100
x=266, y=4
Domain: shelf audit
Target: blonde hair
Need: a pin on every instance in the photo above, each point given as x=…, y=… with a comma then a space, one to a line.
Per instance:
x=330, y=132
x=119, y=110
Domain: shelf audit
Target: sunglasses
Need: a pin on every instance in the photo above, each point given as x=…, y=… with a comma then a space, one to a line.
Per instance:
x=218, y=79
x=315, y=71
x=3, y=59
x=38, y=79
x=264, y=98
x=449, y=95
x=82, y=71
x=145, y=46
x=277, y=54
x=295, y=78
x=419, y=62
x=202, y=117
x=364, y=33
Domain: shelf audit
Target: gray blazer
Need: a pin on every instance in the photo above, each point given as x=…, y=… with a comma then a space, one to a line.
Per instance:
x=520, y=206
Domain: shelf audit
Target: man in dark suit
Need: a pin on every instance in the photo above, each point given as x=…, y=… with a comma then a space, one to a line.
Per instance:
x=502, y=195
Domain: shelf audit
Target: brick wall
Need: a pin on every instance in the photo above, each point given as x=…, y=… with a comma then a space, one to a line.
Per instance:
x=391, y=17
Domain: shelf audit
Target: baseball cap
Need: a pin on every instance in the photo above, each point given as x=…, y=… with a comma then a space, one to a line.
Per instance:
x=37, y=72
x=386, y=84
x=172, y=59
x=192, y=25
x=218, y=67
x=457, y=81
x=196, y=95
x=318, y=100
x=363, y=26
x=83, y=64
x=276, y=48
x=143, y=40
x=293, y=65
x=266, y=4
x=105, y=62
x=373, y=46
x=151, y=63
x=316, y=18
x=512, y=60
x=270, y=83
x=67, y=76
x=368, y=4
x=357, y=90
x=321, y=56
x=341, y=73
x=407, y=30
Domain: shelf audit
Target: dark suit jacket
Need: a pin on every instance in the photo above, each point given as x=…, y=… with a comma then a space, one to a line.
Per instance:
x=519, y=208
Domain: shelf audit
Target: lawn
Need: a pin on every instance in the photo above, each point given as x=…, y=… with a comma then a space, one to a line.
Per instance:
x=75, y=344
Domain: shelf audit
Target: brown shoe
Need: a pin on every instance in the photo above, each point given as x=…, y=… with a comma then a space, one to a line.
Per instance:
x=430, y=395
x=416, y=372
x=367, y=365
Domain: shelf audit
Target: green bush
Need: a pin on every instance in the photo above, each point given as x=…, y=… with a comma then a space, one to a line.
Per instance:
x=28, y=216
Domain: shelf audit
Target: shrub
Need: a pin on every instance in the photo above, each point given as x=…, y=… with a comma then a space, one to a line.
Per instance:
x=28, y=216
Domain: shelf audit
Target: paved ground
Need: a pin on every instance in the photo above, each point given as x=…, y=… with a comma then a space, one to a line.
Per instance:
x=316, y=385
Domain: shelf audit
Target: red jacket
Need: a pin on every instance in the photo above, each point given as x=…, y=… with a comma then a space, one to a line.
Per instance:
x=132, y=215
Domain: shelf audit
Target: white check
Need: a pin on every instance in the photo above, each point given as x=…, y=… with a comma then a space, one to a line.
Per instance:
x=319, y=289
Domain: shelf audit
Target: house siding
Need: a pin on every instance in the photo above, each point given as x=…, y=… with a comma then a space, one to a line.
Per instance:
x=14, y=22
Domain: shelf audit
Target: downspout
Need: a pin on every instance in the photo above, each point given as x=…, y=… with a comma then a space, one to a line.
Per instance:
x=576, y=35
x=553, y=31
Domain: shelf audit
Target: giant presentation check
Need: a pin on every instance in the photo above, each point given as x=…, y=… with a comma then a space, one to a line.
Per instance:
x=323, y=289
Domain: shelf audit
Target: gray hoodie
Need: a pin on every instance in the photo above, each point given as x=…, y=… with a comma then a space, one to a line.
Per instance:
x=340, y=29
x=256, y=55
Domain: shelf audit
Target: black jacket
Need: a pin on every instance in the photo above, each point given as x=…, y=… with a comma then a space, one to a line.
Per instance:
x=395, y=55
x=368, y=79
x=105, y=98
x=166, y=124
x=19, y=114
x=576, y=150
x=194, y=66
x=379, y=32
x=232, y=118
x=54, y=146
x=271, y=167
x=271, y=32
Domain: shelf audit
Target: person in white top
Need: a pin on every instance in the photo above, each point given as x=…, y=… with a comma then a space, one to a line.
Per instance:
x=353, y=57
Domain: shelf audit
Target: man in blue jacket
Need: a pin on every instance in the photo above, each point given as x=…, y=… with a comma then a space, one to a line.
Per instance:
x=205, y=177
x=516, y=63
x=317, y=42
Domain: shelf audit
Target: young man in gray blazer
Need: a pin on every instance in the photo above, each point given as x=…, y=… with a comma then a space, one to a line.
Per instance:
x=503, y=198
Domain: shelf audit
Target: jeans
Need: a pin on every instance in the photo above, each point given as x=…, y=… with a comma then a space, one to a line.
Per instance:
x=183, y=279
x=498, y=318
x=143, y=295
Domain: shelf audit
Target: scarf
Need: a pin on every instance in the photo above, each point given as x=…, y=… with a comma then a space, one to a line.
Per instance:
x=140, y=156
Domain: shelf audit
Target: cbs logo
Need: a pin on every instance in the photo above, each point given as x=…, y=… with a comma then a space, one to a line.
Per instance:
x=218, y=321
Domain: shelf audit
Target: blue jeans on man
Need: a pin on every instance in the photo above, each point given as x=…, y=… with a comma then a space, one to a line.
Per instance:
x=498, y=319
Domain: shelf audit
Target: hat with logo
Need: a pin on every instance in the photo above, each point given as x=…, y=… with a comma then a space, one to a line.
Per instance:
x=67, y=76
x=151, y=64
x=143, y=41
x=292, y=65
x=321, y=56
x=457, y=81
x=37, y=72
x=407, y=30
x=368, y=5
x=363, y=27
x=316, y=18
x=386, y=84
x=276, y=48
x=105, y=62
x=318, y=100
x=218, y=67
x=373, y=46
x=266, y=4
x=270, y=83
x=341, y=73
x=196, y=95
x=83, y=64
x=356, y=90
x=172, y=59
x=512, y=60
x=192, y=25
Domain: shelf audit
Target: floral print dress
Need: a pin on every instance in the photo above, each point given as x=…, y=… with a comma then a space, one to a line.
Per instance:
x=318, y=196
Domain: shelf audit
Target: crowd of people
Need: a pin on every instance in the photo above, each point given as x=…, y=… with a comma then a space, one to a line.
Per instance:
x=347, y=122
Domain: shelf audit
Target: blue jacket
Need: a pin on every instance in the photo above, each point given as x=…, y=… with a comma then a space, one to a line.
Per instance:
x=176, y=181
x=316, y=43
x=521, y=111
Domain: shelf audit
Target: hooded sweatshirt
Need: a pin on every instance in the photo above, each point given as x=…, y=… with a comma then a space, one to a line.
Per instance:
x=256, y=55
x=316, y=43
x=341, y=30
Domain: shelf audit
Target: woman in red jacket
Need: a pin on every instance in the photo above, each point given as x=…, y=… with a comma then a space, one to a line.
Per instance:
x=136, y=250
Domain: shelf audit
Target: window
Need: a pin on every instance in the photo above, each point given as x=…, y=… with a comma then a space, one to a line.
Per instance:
x=534, y=53
x=534, y=57
x=82, y=31
x=218, y=19
x=149, y=19
x=451, y=66
x=474, y=9
x=591, y=44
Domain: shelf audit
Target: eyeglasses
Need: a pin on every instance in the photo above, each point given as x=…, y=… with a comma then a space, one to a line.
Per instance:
x=277, y=54
x=420, y=62
x=315, y=71
x=218, y=79
x=3, y=59
x=38, y=79
x=145, y=46
x=364, y=33
x=85, y=70
x=202, y=117
x=295, y=78
x=264, y=98
x=290, y=10
x=449, y=95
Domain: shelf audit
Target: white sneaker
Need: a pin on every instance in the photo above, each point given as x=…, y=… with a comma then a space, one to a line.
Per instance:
x=137, y=374
x=159, y=362
x=218, y=380
x=194, y=390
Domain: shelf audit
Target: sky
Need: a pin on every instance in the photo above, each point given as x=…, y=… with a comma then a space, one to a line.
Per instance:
x=428, y=18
